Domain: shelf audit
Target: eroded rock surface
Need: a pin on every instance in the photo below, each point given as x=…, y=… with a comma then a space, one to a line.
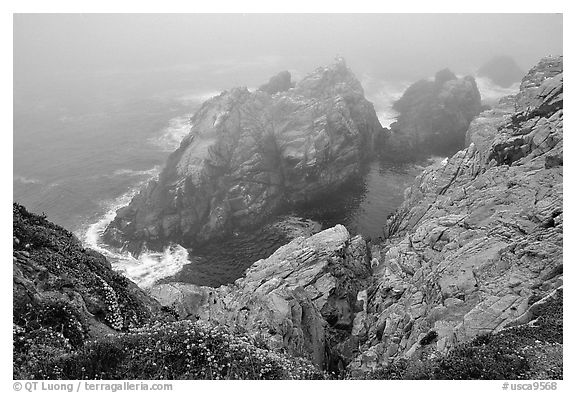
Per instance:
x=248, y=153
x=478, y=240
x=302, y=299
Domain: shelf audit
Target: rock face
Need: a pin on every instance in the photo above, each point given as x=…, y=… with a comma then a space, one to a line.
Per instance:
x=502, y=70
x=249, y=153
x=302, y=299
x=475, y=248
x=434, y=117
x=478, y=240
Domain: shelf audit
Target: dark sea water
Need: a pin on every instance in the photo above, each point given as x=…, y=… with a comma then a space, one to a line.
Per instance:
x=362, y=205
x=83, y=146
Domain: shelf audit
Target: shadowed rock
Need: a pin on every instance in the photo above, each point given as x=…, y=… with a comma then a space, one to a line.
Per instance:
x=434, y=117
x=278, y=83
x=502, y=70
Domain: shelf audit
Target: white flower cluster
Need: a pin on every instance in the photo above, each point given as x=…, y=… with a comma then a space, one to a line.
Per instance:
x=113, y=315
x=213, y=352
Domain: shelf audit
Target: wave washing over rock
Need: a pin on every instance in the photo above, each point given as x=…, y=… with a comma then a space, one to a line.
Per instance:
x=173, y=134
x=247, y=155
x=149, y=266
x=476, y=248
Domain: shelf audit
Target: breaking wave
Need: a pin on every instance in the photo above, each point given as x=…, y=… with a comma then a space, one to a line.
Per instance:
x=25, y=180
x=491, y=92
x=131, y=172
x=383, y=94
x=150, y=266
x=172, y=135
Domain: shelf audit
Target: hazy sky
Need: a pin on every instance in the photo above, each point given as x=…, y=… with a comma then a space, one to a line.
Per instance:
x=56, y=44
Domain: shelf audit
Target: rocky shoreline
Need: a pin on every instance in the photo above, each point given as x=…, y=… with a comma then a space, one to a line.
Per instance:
x=476, y=244
x=474, y=250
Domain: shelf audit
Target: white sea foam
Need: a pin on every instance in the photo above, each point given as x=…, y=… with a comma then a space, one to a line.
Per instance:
x=171, y=136
x=491, y=92
x=26, y=180
x=150, y=266
x=383, y=94
x=198, y=98
x=130, y=172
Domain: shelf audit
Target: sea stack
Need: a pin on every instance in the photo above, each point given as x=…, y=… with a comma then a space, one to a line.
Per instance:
x=250, y=153
x=434, y=117
x=502, y=70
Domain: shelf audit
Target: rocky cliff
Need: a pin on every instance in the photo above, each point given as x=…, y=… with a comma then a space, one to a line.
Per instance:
x=248, y=154
x=75, y=318
x=433, y=117
x=302, y=299
x=478, y=241
x=475, y=248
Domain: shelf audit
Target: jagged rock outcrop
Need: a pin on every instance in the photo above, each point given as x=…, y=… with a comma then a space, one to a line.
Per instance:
x=502, y=70
x=302, y=299
x=249, y=153
x=434, y=117
x=478, y=240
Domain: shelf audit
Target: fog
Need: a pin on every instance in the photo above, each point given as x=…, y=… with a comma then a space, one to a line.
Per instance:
x=60, y=47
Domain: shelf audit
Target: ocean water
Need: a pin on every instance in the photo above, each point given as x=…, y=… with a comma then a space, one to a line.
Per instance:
x=85, y=145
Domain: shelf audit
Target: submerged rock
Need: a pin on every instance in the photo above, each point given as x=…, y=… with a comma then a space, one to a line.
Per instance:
x=434, y=117
x=248, y=154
